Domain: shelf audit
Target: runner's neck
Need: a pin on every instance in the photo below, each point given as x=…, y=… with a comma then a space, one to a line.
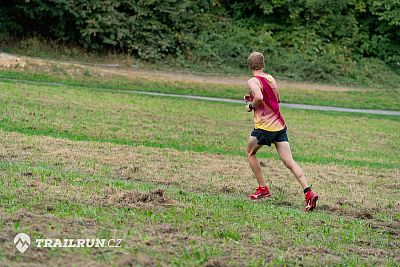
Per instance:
x=259, y=73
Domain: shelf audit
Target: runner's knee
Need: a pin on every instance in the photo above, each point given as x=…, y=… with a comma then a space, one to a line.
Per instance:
x=250, y=152
x=289, y=164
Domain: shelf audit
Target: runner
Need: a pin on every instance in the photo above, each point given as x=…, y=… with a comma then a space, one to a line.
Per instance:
x=269, y=127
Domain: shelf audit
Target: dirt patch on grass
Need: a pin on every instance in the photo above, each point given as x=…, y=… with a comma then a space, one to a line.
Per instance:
x=118, y=198
x=215, y=263
x=37, y=185
x=11, y=62
x=393, y=228
x=59, y=68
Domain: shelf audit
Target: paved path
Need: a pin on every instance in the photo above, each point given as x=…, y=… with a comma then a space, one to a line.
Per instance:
x=224, y=100
x=285, y=105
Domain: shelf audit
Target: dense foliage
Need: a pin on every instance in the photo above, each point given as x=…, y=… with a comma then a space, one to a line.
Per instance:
x=306, y=39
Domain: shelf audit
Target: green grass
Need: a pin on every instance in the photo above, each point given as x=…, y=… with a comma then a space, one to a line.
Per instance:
x=52, y=187
x=372, y=98
x=316, y=137
x=213, y=226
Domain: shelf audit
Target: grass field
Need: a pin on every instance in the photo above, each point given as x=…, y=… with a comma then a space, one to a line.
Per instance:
x=170, y=178
x=377, y=97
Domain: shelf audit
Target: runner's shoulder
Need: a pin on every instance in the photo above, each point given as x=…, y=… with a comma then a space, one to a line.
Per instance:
x=252, y=80
x=270, y=78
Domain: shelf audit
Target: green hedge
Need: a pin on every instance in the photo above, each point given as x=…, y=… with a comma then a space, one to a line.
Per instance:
x=317, y=40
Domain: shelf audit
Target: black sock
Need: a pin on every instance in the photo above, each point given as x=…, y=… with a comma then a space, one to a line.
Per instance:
x=307, y=189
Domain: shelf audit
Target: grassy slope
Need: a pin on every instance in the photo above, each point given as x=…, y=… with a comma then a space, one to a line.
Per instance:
x=371, y=98
x=198, y=227
x=71, y=181
x=320, y=137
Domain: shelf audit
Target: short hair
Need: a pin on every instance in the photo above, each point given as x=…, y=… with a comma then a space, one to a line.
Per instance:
x=255, y=61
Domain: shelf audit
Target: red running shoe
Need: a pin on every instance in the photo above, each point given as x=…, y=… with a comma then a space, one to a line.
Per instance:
x=261, y=192
x=311, y=200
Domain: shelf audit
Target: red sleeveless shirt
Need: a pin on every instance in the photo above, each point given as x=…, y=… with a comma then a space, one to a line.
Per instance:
x=267, y=115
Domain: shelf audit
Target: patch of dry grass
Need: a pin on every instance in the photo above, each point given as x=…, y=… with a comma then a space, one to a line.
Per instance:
x=358, y=192
x=153, y=239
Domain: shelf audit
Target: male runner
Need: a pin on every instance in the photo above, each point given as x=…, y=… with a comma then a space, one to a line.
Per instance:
x=269, y=127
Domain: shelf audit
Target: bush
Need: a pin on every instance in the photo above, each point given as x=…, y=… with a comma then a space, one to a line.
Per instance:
x=317, y=40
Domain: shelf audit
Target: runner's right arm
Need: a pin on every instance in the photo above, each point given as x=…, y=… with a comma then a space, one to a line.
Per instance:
x=255, y=89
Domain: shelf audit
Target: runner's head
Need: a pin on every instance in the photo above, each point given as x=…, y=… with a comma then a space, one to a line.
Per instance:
x=255, y=61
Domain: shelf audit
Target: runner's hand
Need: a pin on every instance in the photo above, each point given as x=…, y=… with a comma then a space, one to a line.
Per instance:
x=247, y=98
x=248, y=109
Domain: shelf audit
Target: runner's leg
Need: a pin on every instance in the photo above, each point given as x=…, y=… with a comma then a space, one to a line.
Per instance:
x=284, y=151
x=251, y=150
